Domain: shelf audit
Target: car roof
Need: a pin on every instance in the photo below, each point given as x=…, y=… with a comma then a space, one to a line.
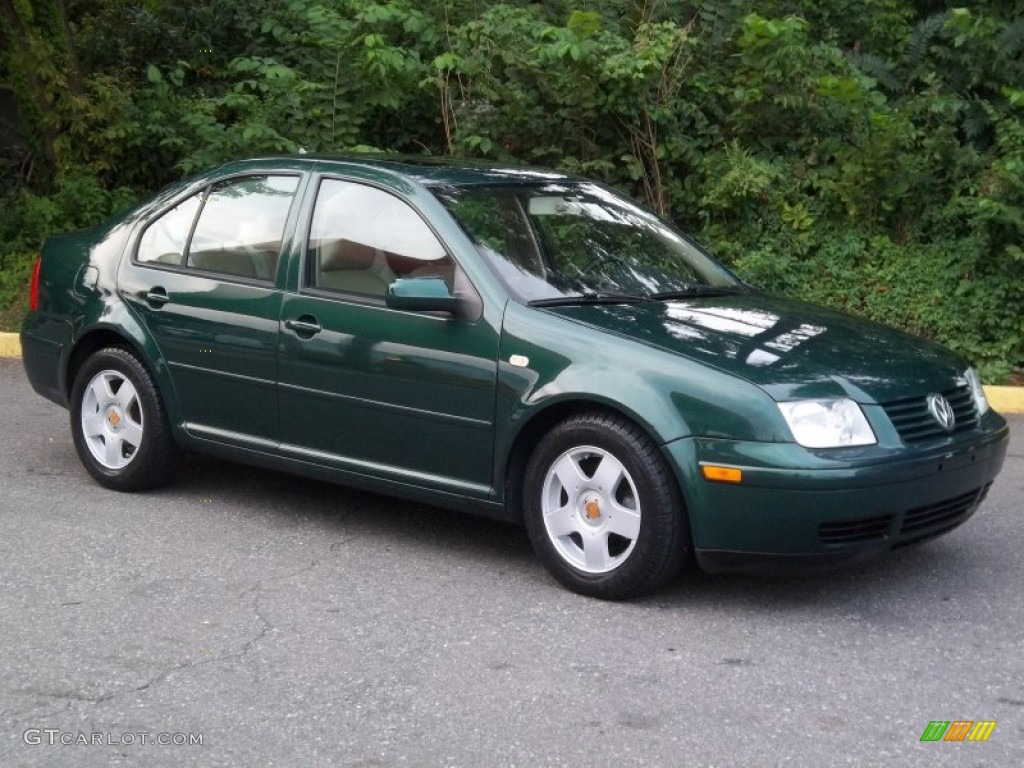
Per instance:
x=425, y=169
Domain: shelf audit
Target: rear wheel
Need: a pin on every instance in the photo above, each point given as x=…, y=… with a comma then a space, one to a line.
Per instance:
x=118, y=423
x=602, y=508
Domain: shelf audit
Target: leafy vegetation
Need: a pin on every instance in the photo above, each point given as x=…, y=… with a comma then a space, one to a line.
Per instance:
x=869, y=156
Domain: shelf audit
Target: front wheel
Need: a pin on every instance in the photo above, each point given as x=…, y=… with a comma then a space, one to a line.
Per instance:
x=118, y=423
x=602, y=509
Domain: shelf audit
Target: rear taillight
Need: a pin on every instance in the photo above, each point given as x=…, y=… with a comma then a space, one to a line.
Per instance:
x=33, y=291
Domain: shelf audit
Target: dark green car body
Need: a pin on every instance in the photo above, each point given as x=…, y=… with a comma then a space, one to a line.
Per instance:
x=447, y=407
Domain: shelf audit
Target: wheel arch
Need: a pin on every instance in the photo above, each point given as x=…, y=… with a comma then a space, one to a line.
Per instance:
x=101, y=336
x=540, y=422
x=90, y=343
x=103, y=449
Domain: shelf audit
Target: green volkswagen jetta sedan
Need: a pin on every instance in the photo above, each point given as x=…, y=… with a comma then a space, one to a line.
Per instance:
x=513, y=342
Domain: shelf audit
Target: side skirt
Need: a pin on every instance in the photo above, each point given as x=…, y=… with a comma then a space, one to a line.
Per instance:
x=318, y=471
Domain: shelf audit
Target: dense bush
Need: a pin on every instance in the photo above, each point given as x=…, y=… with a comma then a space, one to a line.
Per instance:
x=869, y=156
x=74, y=201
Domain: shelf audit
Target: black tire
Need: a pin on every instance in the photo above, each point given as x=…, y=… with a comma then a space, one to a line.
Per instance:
x=143, y=453
x=582, y=548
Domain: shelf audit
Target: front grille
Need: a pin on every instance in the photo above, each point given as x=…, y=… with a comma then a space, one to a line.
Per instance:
x=934, y=519
x=917, y=524
x=914, y=422
x=853, y=531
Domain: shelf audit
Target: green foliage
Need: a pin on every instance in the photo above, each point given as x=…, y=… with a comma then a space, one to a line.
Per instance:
x=921, y=288
x=15, y=272
x=77, y=201
x=867, y=155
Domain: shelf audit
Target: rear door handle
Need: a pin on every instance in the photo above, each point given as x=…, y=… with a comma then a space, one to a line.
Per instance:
x=305, y=325
x=156, y=297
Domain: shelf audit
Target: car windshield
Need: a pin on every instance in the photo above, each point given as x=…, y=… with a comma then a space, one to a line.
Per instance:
x=558, y=243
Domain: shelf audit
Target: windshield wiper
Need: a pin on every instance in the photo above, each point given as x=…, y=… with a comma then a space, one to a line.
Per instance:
x=593, y=297
x=702, y=290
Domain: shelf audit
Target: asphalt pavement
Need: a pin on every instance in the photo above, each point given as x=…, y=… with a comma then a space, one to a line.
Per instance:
x=284, y=622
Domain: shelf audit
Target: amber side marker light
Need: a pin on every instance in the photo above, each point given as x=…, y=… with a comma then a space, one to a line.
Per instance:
x=721, y=474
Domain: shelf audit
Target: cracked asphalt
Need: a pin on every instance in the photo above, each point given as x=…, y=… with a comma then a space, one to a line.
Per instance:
x=293, y=623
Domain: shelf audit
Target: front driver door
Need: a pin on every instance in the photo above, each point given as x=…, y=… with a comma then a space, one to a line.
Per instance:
x=407, y=396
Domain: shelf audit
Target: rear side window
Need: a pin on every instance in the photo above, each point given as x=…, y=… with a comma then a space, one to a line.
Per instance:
x=240, y=227
x=238, y=232
x=164, y=240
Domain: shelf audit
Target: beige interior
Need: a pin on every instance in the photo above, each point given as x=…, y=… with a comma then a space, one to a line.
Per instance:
x=345, y=265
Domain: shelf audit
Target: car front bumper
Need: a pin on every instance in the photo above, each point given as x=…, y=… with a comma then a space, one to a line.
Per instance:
x=798, y=510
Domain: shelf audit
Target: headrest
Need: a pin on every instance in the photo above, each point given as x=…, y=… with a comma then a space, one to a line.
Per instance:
x=345, y=254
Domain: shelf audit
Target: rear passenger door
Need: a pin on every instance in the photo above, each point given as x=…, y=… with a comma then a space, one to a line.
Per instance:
x=203, y=279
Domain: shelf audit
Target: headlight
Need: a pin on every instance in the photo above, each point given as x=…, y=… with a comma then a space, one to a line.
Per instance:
x=979, y=393
x=827, y=423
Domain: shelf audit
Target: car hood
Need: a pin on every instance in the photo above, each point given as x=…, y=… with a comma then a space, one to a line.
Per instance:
x=790, y=348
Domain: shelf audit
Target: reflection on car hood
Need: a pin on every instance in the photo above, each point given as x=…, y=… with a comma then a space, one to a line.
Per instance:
x=790, y=348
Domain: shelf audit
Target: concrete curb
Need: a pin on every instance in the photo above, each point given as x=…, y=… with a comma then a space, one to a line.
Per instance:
x=10, y=345
x=1005, y=399
x=1002, y=399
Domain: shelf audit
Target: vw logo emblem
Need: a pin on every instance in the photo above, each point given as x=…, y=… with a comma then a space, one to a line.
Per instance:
x=942, y=412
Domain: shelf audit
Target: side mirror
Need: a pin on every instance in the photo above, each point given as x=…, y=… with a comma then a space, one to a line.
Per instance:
x=422, y=294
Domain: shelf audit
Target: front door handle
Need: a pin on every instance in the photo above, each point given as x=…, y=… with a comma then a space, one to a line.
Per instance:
x=304, y=325
x=156, y=297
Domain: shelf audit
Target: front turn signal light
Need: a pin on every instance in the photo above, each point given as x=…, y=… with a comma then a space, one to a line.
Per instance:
x=721, y=474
